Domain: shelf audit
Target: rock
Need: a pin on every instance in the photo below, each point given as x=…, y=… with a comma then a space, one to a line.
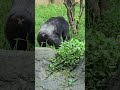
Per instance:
x=57, y=80
x=17, y=70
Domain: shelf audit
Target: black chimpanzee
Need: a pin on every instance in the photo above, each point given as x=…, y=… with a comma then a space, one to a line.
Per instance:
x=53, y=31
x=19, y=28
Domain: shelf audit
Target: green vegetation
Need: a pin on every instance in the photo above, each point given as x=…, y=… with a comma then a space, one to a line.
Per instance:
x=4, y=8
x=102, y=48
x=69, y=55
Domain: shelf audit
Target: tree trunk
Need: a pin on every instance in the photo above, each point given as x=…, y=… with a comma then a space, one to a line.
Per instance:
x=70, y=5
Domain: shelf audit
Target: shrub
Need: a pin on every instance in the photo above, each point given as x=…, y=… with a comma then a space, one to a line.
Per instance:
x=102, y=55
x=68, y=55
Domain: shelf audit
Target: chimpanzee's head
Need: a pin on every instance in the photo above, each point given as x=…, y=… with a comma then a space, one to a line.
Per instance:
x=54, y=40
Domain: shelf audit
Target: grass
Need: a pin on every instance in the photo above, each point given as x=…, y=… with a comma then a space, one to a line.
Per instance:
x=43, y=13
x=4, y=8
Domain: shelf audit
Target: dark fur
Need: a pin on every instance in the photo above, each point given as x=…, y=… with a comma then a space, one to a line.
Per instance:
x=20, y=24
x=52, y=31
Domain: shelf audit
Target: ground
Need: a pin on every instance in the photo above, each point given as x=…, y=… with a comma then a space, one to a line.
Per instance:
x=17, y=72
x=56, y=80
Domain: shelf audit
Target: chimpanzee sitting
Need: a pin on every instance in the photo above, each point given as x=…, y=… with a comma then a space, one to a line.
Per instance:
x=53, y=31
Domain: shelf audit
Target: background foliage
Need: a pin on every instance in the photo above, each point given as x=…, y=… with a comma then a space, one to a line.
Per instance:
x=102, y=48
x=5, y=6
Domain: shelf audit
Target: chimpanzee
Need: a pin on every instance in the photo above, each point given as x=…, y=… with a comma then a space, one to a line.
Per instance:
x=53, y=32
x=19, y=28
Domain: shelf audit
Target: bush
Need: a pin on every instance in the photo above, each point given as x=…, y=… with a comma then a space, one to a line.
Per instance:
x=102, y=48
x=68, y=55
x=102, y=54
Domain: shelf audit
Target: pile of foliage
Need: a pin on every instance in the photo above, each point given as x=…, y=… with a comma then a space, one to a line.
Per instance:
x=68, y=55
